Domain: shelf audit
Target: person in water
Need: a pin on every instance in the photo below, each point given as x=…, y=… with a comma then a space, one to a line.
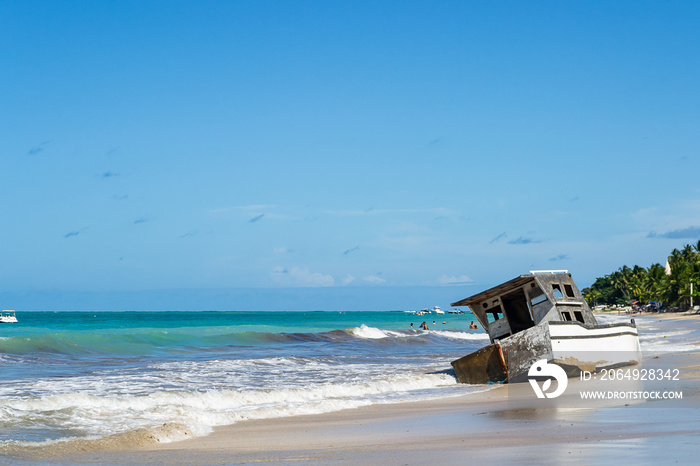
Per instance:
x=424, y=326
x=472, y=326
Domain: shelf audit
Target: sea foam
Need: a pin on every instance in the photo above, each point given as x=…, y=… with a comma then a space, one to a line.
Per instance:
x=100, y=375
x=364, y=331
x=198, y=412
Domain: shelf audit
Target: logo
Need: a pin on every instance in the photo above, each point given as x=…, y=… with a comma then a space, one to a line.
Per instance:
x=542, y=370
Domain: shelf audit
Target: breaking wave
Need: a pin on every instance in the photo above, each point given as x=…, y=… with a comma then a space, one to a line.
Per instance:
x=147, y=341
x=73, y=378
x=81, y=414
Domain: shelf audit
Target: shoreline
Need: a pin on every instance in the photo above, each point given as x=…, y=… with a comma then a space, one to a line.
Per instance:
x=488, y=426
x=680, y=314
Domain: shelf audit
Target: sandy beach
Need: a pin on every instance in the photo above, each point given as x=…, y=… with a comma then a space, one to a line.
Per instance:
x=501, y=423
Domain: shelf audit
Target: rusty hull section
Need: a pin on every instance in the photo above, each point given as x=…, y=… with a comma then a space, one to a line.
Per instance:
x=507, y=360
x=482, y=366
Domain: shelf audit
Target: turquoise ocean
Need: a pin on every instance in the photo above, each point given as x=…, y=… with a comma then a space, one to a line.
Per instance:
x=90, y=375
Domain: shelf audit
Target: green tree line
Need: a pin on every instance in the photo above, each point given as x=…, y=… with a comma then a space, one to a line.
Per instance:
x=654, y=283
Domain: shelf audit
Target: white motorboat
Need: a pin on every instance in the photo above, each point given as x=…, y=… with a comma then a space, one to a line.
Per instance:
x=437, y=310
x=8, y=317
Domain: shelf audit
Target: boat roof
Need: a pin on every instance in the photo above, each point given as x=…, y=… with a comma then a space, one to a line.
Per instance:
x=495, y=291
x=510, y=284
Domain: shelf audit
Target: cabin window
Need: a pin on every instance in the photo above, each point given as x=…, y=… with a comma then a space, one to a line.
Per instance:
x=566, y=315
x=569, y=291
x=537, y=296
x=494, y=314
x=579, y=316
x=557, y=291
x=516, y=308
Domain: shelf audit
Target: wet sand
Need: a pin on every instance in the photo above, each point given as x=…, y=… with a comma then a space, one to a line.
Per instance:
x=501, y=424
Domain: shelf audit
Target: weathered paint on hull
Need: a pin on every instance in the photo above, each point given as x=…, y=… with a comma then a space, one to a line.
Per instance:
x=574, y=346
x=524, y=348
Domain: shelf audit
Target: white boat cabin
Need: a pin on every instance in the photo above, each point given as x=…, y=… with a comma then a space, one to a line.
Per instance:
x=528, y=300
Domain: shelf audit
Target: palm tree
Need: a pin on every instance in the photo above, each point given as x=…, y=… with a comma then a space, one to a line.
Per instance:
x=636, y=283
x=621, y=281
x=696, y=246
x=591, y=295
x=653, y=283
x=688, y=253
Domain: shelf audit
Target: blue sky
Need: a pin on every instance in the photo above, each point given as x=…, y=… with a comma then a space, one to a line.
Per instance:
x=354, y=146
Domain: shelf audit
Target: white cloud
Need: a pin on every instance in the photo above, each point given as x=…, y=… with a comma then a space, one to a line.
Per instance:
x=374, y=279
x=300, y=276
x=461, y=280
x=349, y=279
x=669, y=217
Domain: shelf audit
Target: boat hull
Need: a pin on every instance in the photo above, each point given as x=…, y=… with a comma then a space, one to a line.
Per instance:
x=593, y=349
x=572, y=345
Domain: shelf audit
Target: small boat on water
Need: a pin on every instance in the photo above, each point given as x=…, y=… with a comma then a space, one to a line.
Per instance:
x=435, y=310
x=542, y=315
x=7, y=317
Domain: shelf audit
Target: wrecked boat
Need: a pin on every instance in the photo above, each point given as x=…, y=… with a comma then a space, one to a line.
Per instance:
x=542, y=315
